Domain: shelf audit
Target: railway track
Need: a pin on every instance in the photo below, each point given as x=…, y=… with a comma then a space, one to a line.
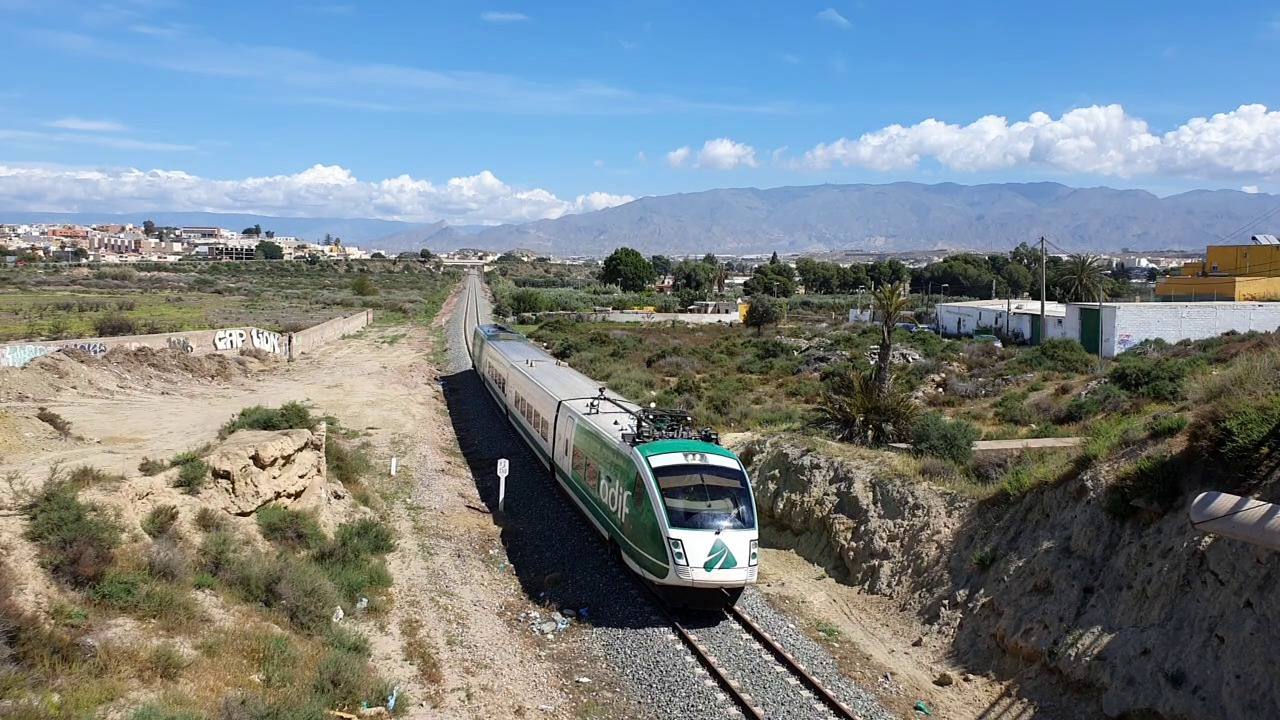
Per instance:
x=735, y=688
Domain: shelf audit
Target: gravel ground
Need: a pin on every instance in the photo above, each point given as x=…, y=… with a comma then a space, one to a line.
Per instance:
x=563, y=563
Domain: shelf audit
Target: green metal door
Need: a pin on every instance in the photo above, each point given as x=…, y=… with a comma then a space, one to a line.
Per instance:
x=1036, y=330
x=1090, y=323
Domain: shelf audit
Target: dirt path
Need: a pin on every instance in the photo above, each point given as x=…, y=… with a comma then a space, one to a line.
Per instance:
x=452, y=638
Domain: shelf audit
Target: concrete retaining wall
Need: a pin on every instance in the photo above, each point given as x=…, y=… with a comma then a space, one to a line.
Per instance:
x=196, y=342
x=313, y=337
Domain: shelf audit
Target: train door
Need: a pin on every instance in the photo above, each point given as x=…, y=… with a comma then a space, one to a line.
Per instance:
x=562, y=453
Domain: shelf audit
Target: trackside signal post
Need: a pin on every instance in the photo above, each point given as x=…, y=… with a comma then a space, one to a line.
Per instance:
x=503, y=468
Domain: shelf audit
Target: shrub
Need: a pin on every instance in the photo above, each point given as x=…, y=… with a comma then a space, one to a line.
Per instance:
x=76, y=540
x=1105, y=398
x=114, y=324
x=365, y=537
x=280, y=661
x=936, y=436
x=307, y=597
x=346, y=640
x=1240, y=432
x=526, y=300
x=192, y=477
x=166, y=661
x=138, y=594
x=1154, y=377
x=152, y=711
x=167, y=560
x=219, y=552
x=289, y=416
x=55, y=421
x=343, y=679
x=1166, y=425
x=208, y=519
x=1153, y=481
x=363, y=287
x=288, y=527
x=1110, y=433
x=346, y=464
x=1012, y=408
x=1057, y=355
x=984, y=558
x=151, y=467
x=159, y=520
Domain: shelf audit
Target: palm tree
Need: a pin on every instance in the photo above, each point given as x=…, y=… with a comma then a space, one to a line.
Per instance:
x=1081, y=278
x=889, y=305
x=854, y=409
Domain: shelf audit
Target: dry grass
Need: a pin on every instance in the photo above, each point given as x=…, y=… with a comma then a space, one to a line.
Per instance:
x=420, y=652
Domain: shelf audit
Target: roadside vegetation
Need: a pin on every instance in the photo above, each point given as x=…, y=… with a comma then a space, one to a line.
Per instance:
x=277, y=583
x=55, y=302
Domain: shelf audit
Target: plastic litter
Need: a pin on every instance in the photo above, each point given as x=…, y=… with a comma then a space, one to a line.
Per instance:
x=922, y=708
x=391, y=699
x=338, y=614
x=362, y=603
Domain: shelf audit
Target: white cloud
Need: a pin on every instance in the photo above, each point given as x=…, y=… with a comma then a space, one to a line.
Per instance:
x=1101, y=140
x=496, y=16
x=41, y=140
x=832, y=17
x=321, y=190
x=1250, y=189
x=677, y=157
x=641, y=157
x=75, y=123
x=725, y=154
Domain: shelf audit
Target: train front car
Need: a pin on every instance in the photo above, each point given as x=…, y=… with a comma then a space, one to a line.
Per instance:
x=710, y=514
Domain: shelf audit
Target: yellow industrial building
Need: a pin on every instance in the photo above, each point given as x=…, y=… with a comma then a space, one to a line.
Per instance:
x=1241, y=273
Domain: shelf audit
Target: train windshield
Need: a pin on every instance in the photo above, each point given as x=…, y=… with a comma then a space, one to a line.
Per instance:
x=706, y=497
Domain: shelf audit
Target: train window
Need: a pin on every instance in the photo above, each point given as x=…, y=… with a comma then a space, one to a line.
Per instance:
x=579, y=463
x=705, y=497
x=593, y=475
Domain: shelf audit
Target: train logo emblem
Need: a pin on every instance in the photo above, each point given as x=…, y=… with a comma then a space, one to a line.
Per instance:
x=720, y=557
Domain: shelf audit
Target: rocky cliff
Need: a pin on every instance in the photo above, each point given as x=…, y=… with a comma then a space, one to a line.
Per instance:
x=1147, y=617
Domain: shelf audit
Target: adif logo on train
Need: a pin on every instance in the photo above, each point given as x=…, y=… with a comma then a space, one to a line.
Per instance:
x=615, y=497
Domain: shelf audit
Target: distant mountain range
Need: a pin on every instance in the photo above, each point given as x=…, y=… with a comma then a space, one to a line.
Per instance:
x=896, y=217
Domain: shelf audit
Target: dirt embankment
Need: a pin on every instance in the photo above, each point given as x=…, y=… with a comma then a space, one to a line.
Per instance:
x=1087, y=614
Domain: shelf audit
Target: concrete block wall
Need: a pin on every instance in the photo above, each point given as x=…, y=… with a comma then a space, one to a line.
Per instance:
x=196, y=342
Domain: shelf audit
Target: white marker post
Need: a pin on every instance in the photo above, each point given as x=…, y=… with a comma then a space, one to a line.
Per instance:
x=394, y=466
x=503, y=468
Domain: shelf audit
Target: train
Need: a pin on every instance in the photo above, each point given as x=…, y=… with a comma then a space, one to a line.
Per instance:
x=676, y=505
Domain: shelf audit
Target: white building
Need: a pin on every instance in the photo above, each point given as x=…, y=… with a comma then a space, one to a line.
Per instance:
x=1125, y=325
x=1015, y=319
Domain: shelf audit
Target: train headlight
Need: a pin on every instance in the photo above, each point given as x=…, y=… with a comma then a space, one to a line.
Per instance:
x=754, y=554
x=677, y=552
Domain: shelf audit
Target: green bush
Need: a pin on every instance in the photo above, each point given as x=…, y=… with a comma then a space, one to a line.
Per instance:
x=151, y=711
x=348, y=465
x=1105, y=398
x=280, y=661
x=346, y=640
x=288, y=527
x=159, y=520
x=139, y=594
x=208, y=519
x=1241, y=432
x=305, y=594
x=289, y=416
x=219, y=552
x=1012, y=408
x=192, y=476
x=151, y=467
x=365, y=537
x=936, y=436
x=853, y=409
x=344, y=679
x=1166, y=425
x=77, y=540
x=1057, y=355
x=1154, y=377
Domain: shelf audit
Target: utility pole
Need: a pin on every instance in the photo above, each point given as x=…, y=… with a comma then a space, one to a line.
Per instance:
x=1008, y=310
x=993, y=288
x=1044, y=328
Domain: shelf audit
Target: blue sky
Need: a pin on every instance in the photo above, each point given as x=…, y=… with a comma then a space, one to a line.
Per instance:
x=533, y=107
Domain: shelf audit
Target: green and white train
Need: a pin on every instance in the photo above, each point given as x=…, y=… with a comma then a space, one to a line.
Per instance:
x=678, y=506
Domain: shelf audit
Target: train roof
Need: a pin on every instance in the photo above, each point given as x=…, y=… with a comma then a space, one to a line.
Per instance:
x=660, y=447
x=563, y=382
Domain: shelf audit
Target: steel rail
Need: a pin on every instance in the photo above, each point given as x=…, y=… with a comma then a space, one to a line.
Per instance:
x=792, y=664
x=709, y=661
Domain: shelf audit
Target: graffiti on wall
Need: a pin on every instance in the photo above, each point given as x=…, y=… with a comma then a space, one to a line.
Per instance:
x=265, y=340
x=94, y=347
x=19, y=355
x=181, y=344
x=232, y=339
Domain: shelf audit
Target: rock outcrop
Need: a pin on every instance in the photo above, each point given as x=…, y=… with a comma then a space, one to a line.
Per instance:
x=252, y=468
x=1147, y=617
